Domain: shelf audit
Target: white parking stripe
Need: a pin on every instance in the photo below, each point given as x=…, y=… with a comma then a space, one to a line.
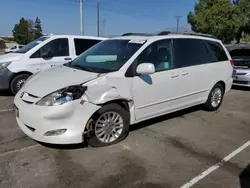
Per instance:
x=7, y=110
x=18, y=150
x=216, y=166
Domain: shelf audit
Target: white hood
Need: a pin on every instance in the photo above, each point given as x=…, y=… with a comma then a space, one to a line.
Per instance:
x=11, y=57
x=57, y=78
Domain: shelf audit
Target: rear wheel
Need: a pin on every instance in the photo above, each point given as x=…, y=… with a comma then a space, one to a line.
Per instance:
x=215, y=98
x=110, y=125
x=17, y=82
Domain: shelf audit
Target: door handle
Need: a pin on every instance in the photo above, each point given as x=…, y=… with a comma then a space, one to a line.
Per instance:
x=174, y=75
x=67, y=58
x=184, y=73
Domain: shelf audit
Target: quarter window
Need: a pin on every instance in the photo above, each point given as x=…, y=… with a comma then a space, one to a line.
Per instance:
x=81, y=45
x=56, y=48
x=190, y=52
x=217, y=52
x=160, y=54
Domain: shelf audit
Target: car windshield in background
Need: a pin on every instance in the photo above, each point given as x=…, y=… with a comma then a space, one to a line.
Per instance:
x=107, y=56
x=31, y=45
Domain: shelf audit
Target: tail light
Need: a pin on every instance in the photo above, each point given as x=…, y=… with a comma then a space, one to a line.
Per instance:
x=232, y=62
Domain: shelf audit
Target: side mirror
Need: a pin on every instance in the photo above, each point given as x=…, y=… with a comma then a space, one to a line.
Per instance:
x=46, y=54
x=145, y=69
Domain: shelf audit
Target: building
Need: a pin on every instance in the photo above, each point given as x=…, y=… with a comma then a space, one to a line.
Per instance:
x=2, y=45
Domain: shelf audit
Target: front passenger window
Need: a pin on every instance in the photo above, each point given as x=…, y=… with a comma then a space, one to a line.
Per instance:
x=55, y=48
x=160, y=54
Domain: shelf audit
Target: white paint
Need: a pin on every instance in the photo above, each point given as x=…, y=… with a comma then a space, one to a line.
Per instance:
x=7, y=110
x=18, y=150
x=215, y=167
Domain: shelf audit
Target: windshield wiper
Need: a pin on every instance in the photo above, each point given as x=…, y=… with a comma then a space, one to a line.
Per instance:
x=81, y=67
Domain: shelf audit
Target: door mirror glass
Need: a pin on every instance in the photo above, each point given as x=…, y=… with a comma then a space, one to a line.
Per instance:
x=145, y=69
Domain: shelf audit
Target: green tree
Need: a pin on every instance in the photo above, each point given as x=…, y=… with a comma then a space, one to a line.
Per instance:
x=21, y=32
x=38, y=28
x=216, y=17
x=243, y=9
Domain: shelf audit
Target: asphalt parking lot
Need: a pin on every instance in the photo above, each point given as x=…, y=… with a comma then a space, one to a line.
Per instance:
x=165, y=152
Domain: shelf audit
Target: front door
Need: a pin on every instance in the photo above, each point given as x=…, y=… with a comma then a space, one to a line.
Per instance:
x=57, y=53
x=157, y=93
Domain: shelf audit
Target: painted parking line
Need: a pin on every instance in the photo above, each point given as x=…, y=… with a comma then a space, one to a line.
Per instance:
x=7, y=110
x=18, y=150
x=216, y=166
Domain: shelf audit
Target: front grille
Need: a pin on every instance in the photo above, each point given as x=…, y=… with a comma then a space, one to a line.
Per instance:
x=30, y=128
x=32, y=95
x=240, y=82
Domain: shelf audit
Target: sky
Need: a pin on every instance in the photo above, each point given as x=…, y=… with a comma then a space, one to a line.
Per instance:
x=116, y=16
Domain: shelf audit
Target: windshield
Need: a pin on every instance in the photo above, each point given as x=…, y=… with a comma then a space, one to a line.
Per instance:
x=31, y=45
x=106, y=56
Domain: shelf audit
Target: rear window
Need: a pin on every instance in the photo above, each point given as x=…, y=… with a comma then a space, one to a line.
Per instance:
x=240, y=53
x=189, y=52
x=217, y=51
x=81, y=45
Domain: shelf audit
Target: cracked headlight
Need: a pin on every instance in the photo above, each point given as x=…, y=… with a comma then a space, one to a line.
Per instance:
x=4, y=65
x=62, y=96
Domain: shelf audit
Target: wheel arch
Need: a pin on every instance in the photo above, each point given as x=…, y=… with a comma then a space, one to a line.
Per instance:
x=19, y=73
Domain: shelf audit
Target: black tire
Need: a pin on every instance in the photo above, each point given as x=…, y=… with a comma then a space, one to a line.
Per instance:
x=209, y=103
x=17, y=82
x=92, y=138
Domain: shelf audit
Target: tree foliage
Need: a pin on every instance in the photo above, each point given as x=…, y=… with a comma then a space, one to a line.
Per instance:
x=223, y=18
x=26, y=31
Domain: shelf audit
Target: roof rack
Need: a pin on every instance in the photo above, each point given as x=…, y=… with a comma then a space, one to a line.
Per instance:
x=187, y=33
x=137, y=34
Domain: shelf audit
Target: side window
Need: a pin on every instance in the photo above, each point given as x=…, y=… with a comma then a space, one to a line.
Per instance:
x=56, y=48
x=13, y=48
x=160, y=54
x=190, y=52
x=81, y=45
x=217, y=51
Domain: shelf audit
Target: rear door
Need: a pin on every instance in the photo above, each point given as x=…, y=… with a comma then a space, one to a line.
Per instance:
x=192, y=60
x=59, y=54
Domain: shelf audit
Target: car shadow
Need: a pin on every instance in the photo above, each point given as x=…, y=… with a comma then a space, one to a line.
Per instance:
x=64, y=146
x=241, y=88
x=5, y=93
x=180, y=114
x=244, y=177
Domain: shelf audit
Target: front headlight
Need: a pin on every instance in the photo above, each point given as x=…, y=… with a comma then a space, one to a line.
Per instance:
x=63, y=96
x=4, y=65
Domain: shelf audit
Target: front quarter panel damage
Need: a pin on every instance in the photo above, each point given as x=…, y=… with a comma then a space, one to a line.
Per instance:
x=110, y=88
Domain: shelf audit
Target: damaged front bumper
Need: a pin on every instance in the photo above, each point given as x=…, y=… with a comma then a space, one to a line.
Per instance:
x=63, y=124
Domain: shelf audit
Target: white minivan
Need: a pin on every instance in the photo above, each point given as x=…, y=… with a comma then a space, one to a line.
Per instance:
x=120, y=82
x=42, y=53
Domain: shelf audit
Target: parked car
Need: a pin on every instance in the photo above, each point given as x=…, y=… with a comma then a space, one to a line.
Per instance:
x=120, y=82
x=41, y=54
x=241, y=57
x=13, y=48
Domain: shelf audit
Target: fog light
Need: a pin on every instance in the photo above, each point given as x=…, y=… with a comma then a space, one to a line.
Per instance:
x=55, y=132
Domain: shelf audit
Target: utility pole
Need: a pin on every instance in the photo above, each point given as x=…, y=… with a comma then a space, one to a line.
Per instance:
x=98, y=19
x=81, y=17
x=178, y=22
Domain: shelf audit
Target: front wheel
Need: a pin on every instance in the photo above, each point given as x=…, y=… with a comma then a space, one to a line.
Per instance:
x=17, y=82
x=110, y=125
x=215, y=98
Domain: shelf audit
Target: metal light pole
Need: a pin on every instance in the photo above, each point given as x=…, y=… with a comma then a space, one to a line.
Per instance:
x=81, y=17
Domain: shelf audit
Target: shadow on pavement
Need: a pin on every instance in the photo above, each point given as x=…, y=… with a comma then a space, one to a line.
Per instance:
x=5, y=93
x=245, y=177
x=64, y=147
x=179, y=114
x=241, y=88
